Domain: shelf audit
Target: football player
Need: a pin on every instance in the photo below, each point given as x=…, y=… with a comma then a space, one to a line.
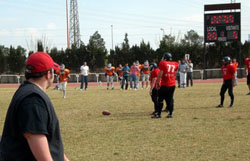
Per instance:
x=145, y=74
x=235, y=63
x=120, y=74
x=109, y=73
x=168, y=69
x=64, y=76
x=247, y=68
x=228, y=73
x=153, y=90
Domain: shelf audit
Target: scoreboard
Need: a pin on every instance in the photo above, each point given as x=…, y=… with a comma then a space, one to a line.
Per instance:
x=222, y=27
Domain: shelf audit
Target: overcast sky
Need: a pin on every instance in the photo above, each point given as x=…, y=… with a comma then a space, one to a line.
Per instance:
x=25, y=20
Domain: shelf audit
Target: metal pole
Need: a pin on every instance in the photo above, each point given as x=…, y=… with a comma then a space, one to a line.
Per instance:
x=67, y=19
x=240, y=62
x=112, y=42
x=205, y=62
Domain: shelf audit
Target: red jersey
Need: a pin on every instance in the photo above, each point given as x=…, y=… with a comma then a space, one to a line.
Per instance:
x=235, y=65
x=145, y=69
x=169, y=69
x=154, y=74
x=228, y=71
x=247, y=63
x=63, y=75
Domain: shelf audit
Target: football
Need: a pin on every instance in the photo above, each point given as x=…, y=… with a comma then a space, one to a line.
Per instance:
x=106, y=112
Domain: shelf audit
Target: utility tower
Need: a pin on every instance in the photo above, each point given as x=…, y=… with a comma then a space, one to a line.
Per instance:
x=74, y=31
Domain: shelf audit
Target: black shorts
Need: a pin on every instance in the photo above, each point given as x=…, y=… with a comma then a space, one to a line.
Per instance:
x=248, y=79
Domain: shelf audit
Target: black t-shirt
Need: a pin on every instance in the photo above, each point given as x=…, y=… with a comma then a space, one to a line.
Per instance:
x=33, y=114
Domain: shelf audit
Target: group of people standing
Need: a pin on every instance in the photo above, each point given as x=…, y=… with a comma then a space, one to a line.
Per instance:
x=128, y=74
x=185, y=73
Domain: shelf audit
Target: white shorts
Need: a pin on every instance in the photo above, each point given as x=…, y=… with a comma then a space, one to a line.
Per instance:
x=183, y=77
x=110, y=79
x=62, y=85
x=145, y=77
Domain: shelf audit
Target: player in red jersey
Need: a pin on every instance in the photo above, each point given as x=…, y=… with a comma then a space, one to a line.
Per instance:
x=168, y=69
x=228, y=72
x=153, y=90
x=247, y=68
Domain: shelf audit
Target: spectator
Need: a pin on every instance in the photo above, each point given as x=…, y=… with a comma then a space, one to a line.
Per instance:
x=31, y=130
x=133, y=75
x=178, y=75
x=84, y=75
x=183, y=73
x=126, y=71
x=190, y=73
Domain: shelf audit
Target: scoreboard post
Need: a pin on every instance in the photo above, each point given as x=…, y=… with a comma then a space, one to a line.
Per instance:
x=221, y=24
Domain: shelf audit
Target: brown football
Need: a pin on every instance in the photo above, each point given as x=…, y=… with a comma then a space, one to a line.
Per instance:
x=106, y=112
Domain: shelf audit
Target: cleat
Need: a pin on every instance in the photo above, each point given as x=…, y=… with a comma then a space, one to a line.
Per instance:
x=248, y=93
x=169, y=116
x=231, y=106
x=153, y=113
x=219, y=106
x=156, y=116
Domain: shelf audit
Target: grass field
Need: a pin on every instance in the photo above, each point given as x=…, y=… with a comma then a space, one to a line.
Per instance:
x=198, y=131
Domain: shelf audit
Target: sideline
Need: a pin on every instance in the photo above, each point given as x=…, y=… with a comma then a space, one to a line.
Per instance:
x=117, y=84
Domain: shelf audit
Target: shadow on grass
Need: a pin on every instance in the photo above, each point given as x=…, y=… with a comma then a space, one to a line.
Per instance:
x=198, y=108
x=133, y=115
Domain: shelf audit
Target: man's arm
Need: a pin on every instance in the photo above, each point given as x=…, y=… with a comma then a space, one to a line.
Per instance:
x=159, y=78
x=38, y=144
x=152, y=85
x=246, y=69
x=65, y=158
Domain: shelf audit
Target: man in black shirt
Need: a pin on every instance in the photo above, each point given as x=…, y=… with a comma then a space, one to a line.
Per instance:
x=31, y=130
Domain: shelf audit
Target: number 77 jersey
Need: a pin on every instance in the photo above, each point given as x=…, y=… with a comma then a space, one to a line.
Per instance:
x=169, y=69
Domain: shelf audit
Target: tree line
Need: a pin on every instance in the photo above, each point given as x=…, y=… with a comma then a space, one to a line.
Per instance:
x=12, y=60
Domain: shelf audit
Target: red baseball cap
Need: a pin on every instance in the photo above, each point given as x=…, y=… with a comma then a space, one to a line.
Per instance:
x=40, y=62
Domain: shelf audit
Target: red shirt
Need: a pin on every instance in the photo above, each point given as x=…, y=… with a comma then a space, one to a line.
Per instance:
x=228, y=71
x=235, y=65
x=169, y=69
x=247, y=63
x=154, y=74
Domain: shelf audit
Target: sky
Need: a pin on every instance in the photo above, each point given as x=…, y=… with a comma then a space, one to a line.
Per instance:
x=23, y=22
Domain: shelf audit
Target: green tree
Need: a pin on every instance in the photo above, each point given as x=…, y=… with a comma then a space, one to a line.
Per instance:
x=16, y=59
x=40, y=47
x=96, y=47
x=2, y=60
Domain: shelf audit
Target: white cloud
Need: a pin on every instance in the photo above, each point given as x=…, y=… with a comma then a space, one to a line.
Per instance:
x=51, y=26
x=195, y=18
x=4, y=32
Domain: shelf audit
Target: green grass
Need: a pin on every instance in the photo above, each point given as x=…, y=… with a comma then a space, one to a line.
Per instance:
x=198, y=131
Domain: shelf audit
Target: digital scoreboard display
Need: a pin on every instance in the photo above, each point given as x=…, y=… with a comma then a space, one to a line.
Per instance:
x=222, y=27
